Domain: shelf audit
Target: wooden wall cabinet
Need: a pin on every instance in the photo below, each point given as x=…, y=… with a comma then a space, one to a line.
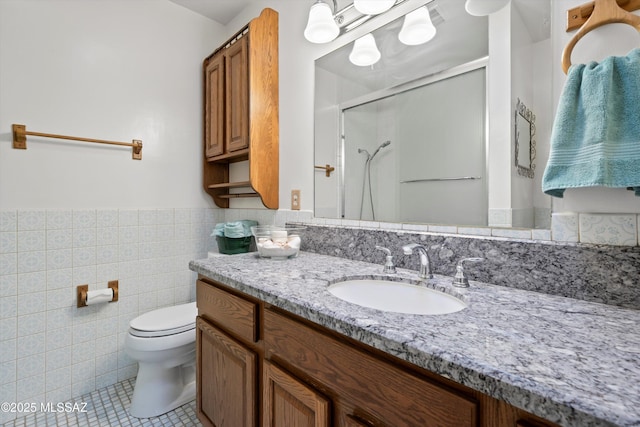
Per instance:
x=298, y=374
x=241, y=120
x=237, y=95
x=214, y=106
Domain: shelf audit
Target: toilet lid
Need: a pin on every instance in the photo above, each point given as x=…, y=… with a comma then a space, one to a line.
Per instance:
x=165, y=321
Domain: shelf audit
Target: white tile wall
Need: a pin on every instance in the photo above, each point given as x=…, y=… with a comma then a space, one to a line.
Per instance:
x=500, y=218
x=609, y=229
x=49, y=349
x=598, y=228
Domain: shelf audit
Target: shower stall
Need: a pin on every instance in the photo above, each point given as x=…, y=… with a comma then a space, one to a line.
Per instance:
x=417, y=154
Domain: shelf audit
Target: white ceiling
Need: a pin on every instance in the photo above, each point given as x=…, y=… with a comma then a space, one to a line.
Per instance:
x=221, y=11
x=535, y=13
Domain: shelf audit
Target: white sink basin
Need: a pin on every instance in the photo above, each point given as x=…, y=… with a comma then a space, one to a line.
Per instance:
x=396, y=297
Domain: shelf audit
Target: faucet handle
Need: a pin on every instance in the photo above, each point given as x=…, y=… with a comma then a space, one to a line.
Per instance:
x=460, y=279
x=389, y=267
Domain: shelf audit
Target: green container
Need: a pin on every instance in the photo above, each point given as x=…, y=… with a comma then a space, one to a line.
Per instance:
x=230, y=245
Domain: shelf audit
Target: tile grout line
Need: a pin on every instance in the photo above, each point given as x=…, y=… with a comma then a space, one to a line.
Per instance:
x=110, y=405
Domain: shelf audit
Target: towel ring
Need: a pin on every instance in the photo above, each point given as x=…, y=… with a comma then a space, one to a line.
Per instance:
x=604, y=12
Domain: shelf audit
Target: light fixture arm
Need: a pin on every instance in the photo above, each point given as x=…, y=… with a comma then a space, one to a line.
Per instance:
x=325, y=19
x=337, y=14
x=335, y=5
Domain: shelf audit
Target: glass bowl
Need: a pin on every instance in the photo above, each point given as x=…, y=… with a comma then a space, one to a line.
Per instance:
x=277, y=242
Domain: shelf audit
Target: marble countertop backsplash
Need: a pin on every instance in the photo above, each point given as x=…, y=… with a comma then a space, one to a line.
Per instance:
x=596, y=273
x=573, y=362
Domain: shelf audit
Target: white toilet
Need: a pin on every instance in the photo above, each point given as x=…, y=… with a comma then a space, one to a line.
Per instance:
x=163, y=342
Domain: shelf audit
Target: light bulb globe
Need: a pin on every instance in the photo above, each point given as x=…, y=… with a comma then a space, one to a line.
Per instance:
x=364, y=52
x=321, y=27
x=417, y=27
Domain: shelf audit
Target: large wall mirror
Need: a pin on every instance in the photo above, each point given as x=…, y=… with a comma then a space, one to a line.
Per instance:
x=427, y=133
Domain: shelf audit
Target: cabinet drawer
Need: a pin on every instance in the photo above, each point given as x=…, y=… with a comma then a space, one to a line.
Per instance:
x=389, y=393
x=235, y=314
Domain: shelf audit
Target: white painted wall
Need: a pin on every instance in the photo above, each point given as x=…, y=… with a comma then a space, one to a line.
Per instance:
x=327, y=193
x=296, y=60
x=531, y=83
x=522, y=77
x=499, y=105
x=74, y=213
x=544, y=104
x=116, y=70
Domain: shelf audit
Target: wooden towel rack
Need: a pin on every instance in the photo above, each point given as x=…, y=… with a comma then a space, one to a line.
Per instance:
x=592, y=15
x=20, y=140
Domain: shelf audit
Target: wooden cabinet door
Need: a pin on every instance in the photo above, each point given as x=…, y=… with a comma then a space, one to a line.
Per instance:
x=288, y=402
x=353, y=422
x=226, y=379
x=237, y=94
x=214, y=106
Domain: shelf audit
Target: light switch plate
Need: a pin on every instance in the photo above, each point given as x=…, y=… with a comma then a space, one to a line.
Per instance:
x=295, y=200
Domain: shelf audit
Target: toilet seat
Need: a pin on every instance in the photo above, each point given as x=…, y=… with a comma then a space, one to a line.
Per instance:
x=165, y=321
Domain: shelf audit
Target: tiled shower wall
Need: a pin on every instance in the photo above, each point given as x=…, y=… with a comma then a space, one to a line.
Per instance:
x=50, y=350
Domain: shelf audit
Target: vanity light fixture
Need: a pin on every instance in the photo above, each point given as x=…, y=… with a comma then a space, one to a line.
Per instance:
x=321, y=27
x=484, y=7
x=417, y=27
x=373, y=7
x=365, y=52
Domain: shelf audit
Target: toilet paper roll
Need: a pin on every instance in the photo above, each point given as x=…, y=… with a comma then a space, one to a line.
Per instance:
x=99, y=296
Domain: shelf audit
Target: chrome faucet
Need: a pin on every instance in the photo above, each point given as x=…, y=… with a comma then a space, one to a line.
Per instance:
x=460, y=280
x=389, y=267
x=425, y=262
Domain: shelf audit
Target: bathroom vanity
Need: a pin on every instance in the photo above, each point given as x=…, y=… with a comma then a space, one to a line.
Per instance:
x=275, y=348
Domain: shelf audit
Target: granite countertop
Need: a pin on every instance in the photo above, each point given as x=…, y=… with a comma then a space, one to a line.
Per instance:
x=571, y=362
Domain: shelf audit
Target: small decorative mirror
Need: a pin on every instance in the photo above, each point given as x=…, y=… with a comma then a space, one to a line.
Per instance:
x=525, y=131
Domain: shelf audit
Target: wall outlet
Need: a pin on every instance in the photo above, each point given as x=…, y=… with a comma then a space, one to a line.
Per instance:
x=295, y=200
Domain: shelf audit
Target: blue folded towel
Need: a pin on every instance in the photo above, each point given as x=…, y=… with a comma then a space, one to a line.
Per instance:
x=595, y=139
x=234, y=230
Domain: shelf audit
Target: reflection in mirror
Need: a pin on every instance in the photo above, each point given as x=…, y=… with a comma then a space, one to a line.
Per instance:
x=525, y=131
x=446, y=106
x=426, y=155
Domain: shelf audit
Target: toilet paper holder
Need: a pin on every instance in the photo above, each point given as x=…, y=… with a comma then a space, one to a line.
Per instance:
x=83, y=292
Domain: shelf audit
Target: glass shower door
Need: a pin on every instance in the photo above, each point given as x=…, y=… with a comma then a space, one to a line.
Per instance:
x=418, y=155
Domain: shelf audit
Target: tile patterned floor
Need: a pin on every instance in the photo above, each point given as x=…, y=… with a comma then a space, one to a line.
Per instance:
x=108, y=408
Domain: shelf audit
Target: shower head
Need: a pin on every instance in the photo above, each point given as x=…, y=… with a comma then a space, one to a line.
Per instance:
x=362, y=150
x=384, y=144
